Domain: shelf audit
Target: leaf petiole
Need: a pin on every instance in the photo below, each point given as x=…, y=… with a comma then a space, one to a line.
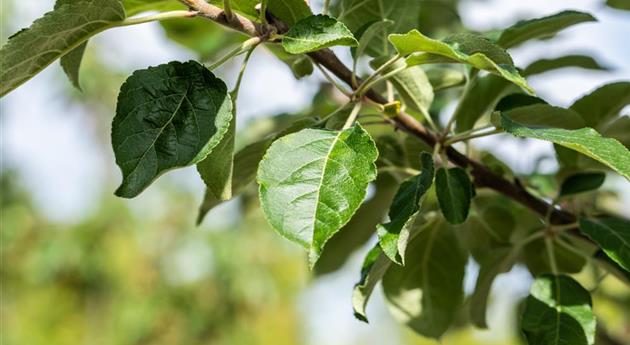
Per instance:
x=245, y=46
x=155, y=17
x=353, y=115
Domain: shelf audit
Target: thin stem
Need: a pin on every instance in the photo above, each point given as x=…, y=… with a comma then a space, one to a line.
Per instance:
x=263, y=11
x=474, y=130
x=332, y=80
x=569, y=247
x=353, y=115
x=459, y=138
x=326, y=6
x=427, y=117
x=467, y=88
x=551, y=254
x=241, y=73
x=368, y=84
x=377, y=72
x=227, y=9
x=564, y=227
x=390, y=91
x=156, y=17
x=245, y=46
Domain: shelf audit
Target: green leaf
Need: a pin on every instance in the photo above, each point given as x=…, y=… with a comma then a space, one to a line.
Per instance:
x=200, y=36
x=360, y=228
x=618, y=4
x=403, y=14
x=545, y=115
x=479, y=99
x=546, y=65
x=428, y=294
x=518, y=100
x=567, y=261
x=454, y=192
x=558, y=311
x=620, y=130
x=134, y=7
x=444, y=78
x=602, y=104
x=498, y=260
x=53, y=36
x=367, y=33
x=217, y=169
x=374, y=267
x=246, y=163
x=541, y=27
x=168, y=116
x=582, y=182
x=394, y=235
x=71, y=62
x=612, y=235
x=312, y=182
x=477, y=51
x=586, y=141
x=317, y=32
x=289, y=11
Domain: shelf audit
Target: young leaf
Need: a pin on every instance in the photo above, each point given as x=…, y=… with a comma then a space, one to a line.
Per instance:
x=312, y=182
x=427, y=294
x=603, y=103
x=315, y=33
x=394, y=235
x=454, y=193
x=558, y=311
x=53, y=36
x=546, y=65
x=471, y=49
x=289, y=11
x=586, y=141
x=496, y=261
x=167, y=116
x=374, y=267
x=357, y=13
x=541, y=27
x=246, y=163
x=613, y=235
x=217, y=169
x=582, y=182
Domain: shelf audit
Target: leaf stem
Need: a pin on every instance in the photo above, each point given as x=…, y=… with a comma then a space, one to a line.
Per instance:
x=156, y=17
x=367, y=82
x=551, y=254
x=458, y=138
x=353, y=115
x=245, y=46
x=241, y=73
x=227, y=9
x=332, y=80
x=404, y=170
x=326, y=7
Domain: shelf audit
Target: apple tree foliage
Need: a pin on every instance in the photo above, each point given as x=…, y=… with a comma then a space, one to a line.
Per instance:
x=372, y=159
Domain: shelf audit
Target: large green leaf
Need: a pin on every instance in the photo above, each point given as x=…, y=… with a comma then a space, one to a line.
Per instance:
x=613, y=235
x=474, y=50
x=602, y=104
x=312, y=182
x=52, y=36
x=246, y=162
x=546, y=65
x=167, y=116
x=317, y=32
x=366, y=34
x=427, y=293
x=393, y=236
x=360, y=229
x=586, y=141
x=403, y=14
x=454, y=192
x=558, y=311
x=289, y=11
x=620, y=130
x=541, y=27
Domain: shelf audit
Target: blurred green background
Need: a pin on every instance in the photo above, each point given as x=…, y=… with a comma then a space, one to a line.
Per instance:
x=80, y=266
